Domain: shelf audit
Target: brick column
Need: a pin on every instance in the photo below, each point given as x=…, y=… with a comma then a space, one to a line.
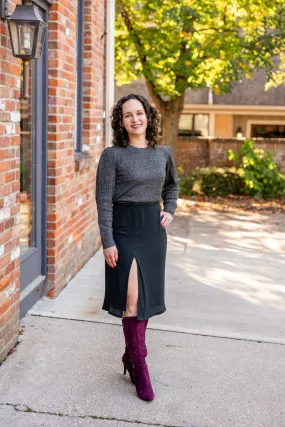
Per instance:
x=72, y=235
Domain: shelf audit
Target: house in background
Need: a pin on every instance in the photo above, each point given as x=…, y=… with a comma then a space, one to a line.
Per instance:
x=248, y=110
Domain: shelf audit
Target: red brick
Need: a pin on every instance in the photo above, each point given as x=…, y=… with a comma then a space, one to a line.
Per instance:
x=5, y=282
x=4, y=307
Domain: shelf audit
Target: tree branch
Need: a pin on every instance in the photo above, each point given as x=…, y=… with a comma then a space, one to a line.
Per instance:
x=139, y=45
x=179, y=77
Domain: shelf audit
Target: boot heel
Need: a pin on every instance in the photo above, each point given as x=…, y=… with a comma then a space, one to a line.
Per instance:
x=128, y=366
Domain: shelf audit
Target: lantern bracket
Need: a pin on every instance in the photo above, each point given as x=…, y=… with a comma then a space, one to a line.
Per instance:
x=4, y=12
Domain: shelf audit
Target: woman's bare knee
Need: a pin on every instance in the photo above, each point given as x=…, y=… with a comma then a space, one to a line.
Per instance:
x=132, y=307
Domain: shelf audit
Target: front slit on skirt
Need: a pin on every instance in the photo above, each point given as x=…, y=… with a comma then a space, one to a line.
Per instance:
x=138, y=234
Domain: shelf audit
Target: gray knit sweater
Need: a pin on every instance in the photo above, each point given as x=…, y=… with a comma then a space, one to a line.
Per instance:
x=136, y=175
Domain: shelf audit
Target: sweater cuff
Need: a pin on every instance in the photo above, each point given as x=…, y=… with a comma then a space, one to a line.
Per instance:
x=108, y=242
x=170, y=207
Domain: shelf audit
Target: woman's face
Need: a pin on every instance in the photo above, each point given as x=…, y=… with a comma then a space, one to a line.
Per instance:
x=134, y=117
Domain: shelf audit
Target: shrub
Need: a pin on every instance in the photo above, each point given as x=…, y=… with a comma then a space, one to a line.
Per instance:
x=211, y=181
x=260, y=173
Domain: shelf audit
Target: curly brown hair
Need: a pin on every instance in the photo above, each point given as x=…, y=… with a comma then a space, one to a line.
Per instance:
x=120, y=135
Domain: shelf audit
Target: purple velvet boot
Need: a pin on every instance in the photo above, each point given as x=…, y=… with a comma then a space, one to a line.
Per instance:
x=134, y=331
x=127, y=364
x=126, y=357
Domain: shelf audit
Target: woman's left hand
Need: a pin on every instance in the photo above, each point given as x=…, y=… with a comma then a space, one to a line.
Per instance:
x=166, y=219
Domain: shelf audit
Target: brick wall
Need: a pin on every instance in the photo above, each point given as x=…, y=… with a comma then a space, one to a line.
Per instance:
x=10, y=71
x=193, y=152
x=72, y=230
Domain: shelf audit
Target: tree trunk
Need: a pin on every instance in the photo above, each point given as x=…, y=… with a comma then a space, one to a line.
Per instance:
x=170, y=114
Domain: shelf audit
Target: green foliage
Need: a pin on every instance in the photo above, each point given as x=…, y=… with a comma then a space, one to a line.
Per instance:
x=211, y=181
x=175, y=45
x=260, y=173
x=277, y=77
x=255, y=173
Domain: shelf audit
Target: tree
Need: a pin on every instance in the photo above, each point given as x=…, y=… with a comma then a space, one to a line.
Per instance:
x=176, y=45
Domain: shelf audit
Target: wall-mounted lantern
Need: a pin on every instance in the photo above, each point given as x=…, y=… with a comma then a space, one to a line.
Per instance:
x=239, y=133
x=27, y=35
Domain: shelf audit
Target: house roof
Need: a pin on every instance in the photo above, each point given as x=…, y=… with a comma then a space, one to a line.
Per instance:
x=248, y=92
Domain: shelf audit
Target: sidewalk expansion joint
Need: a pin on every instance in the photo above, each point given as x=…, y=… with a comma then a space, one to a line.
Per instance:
x=166, y=329
x=25, y=409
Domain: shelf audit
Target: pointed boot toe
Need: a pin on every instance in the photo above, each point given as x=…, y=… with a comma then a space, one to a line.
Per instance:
x=143, y=383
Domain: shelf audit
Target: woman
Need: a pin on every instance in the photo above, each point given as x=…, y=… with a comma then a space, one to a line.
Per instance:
x=132, y=177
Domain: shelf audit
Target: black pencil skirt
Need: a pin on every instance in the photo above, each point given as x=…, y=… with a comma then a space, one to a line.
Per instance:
x=138, y=234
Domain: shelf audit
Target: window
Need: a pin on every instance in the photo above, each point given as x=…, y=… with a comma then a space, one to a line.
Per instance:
x=79, y=77
x=27, y=156
x=268, y=131
x=194, y=125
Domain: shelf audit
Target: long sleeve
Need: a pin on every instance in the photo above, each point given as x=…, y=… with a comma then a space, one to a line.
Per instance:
x=171, y=185
x=105, y=186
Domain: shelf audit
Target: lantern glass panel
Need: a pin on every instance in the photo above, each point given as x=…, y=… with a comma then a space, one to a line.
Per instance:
x=22, y=37
x=41, y=40
x=15, y=39
x=27, y=34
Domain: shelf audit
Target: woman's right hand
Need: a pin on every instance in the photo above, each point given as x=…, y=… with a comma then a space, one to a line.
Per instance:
x=111, y=256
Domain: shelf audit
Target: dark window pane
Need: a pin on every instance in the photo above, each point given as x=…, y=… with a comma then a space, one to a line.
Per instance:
x=268, y=131
x=26, y=170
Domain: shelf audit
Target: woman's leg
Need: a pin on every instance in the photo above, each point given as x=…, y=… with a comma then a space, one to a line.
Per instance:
x=132, y=294
x=131, y=311
x=134, y=331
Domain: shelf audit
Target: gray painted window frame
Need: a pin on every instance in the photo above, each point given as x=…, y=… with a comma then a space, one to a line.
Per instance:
x=79, y=76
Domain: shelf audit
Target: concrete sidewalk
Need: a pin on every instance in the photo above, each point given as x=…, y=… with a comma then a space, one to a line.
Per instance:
x=224, y=277
x=69, y=373
x=216, y=357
